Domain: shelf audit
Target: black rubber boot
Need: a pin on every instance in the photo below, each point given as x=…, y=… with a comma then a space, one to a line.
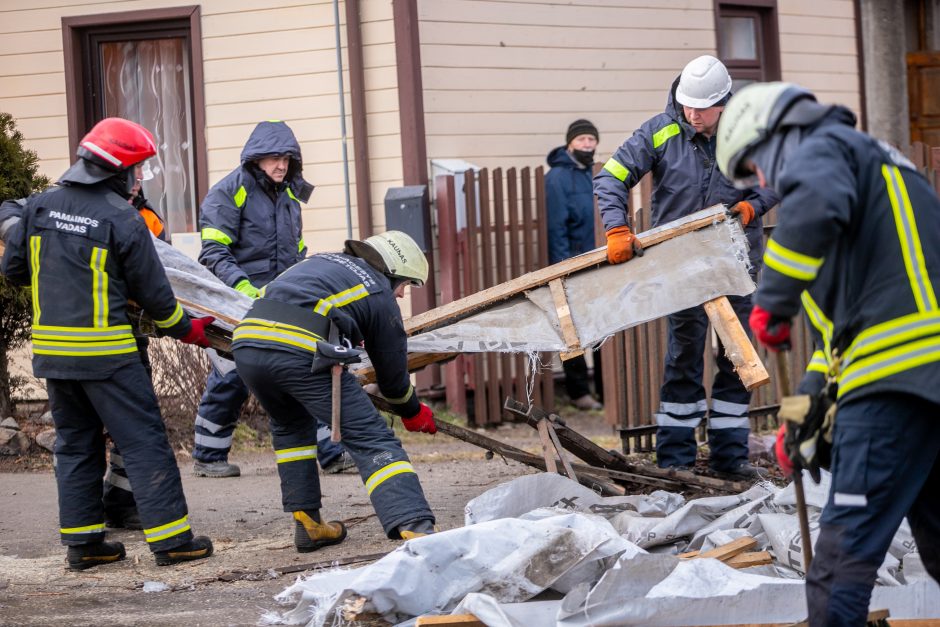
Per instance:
x=198, y=548
x=85, y=556
x=312, y=535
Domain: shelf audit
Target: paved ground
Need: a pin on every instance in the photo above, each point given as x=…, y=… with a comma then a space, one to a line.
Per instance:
x=251, y=534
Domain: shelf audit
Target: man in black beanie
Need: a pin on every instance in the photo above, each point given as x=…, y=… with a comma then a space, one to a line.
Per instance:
x=569, y=201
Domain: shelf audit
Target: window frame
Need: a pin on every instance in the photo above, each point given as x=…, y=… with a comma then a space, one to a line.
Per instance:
x=767, y=67
x=79, y=33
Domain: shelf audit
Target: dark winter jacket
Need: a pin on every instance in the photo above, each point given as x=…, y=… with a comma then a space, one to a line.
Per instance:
x=685, y=176
x=360, y=302
x=85, y=251
x=858, y=243
x=569, y=203
x=251, y=227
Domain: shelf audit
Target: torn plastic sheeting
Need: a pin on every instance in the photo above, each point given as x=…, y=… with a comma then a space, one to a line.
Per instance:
x=314, y=595
x=663, y=590
x=648, y=532
x=676, y=274
x=510, y=559
x=547, y=489
x=193, y=282
x=494, y=614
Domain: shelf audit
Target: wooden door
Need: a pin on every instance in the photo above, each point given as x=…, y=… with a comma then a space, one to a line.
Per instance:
x=923, y=85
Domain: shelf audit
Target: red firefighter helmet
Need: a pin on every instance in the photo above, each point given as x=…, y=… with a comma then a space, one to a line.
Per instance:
x=112, y=146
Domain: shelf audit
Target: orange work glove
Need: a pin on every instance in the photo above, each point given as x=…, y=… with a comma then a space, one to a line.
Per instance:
x=622, y=244
x=745, y=211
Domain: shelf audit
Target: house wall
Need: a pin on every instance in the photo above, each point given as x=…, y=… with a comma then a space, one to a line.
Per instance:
x=503, y=79
x=263, y=59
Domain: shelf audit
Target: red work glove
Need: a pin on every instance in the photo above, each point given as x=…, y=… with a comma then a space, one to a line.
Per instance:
x=745, y=211
x=197, y=334
x=780, y=450
x=771, y=331
x=622, y=244
x=422, y=422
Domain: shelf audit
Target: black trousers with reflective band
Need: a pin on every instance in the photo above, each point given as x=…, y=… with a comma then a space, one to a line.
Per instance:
x=297, y=402
x=124, y=404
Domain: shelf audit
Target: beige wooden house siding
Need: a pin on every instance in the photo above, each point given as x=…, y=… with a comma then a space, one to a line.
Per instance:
x=818, y=48
x=503, y=79
x=263, y=59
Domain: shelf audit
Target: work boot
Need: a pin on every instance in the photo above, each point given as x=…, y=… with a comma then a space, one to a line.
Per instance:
x=196, y=549
x=312, y=535
x=122, y=517
x=745, y=471
x=341, y=464
x=586, y=403
x=215, y=469
x=417, y=529
x=85, y=556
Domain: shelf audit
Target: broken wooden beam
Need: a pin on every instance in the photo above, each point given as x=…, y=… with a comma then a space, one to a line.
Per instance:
x=449, y=620
x=729, y=550
x=463, y=307
x=597, y=456
x=738, y=346
x=749, y=559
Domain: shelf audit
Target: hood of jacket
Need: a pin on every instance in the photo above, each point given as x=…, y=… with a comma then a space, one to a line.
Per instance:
x=272, y=138
x=561, y=158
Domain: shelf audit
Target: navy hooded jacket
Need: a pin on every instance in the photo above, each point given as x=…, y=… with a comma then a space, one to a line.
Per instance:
x=251, y=227
x=569, y=203
x=685, y=176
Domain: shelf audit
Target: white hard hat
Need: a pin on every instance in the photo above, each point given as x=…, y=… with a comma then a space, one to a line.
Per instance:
x=703, y=83
x=394, y=251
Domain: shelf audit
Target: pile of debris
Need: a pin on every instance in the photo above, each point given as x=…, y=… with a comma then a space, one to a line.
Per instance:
x=543, y=550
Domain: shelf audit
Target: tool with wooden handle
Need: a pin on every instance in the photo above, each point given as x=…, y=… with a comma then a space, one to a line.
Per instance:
x=783, y=377
x=336, y=373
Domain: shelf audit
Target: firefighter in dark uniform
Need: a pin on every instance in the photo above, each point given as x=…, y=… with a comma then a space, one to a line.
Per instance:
x=858, y=245
x=251, y=230
x=678, y=147
x=120, y=509
x=330, y=298
x=85, y=252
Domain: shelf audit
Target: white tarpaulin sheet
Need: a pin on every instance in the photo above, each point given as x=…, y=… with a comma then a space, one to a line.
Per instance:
x=544, y=532
x=679, y=273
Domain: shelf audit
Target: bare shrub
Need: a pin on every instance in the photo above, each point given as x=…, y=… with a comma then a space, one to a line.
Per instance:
x=179, y=378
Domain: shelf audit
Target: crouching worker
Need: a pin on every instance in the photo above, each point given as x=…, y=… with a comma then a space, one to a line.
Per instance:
x=327, y=300
x=85, y=252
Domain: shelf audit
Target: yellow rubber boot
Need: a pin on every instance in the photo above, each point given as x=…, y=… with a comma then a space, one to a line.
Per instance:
x=311, y=535
x=417, y=529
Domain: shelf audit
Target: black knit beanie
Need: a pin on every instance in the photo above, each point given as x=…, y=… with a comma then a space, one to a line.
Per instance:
x=581, y=127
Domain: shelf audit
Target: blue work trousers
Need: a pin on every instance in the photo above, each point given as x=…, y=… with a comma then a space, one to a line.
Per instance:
x=885, y=466
x=682, y=396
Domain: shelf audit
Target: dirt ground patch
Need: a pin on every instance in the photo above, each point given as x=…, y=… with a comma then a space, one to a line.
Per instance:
x=244, y=519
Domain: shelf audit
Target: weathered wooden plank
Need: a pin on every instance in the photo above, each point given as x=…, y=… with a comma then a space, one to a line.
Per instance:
x=548, y=449
x=737, y=345
x=750, y=558
x=727, y=551
x=458, y=309
x=568, y=330
x=562, y=455
x=450, y=620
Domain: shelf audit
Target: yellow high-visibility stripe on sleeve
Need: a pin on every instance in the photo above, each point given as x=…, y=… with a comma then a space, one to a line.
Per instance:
x=617, y=169
x=240, y=196
x=175, y=317
x=215, y=235
x=791, y=263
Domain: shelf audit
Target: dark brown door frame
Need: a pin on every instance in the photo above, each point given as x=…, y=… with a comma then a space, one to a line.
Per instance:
x=76, y=82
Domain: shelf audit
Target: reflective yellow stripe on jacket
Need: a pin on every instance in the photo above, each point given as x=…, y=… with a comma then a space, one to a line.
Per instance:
x=276, y=332
x=818, y=363
x=791, y=263
x=295, y=454
x=83, y=341
x=911, y=248
x=340, y=299
x=35, y=241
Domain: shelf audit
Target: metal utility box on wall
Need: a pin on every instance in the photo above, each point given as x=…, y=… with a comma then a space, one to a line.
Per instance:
x=407, y=210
